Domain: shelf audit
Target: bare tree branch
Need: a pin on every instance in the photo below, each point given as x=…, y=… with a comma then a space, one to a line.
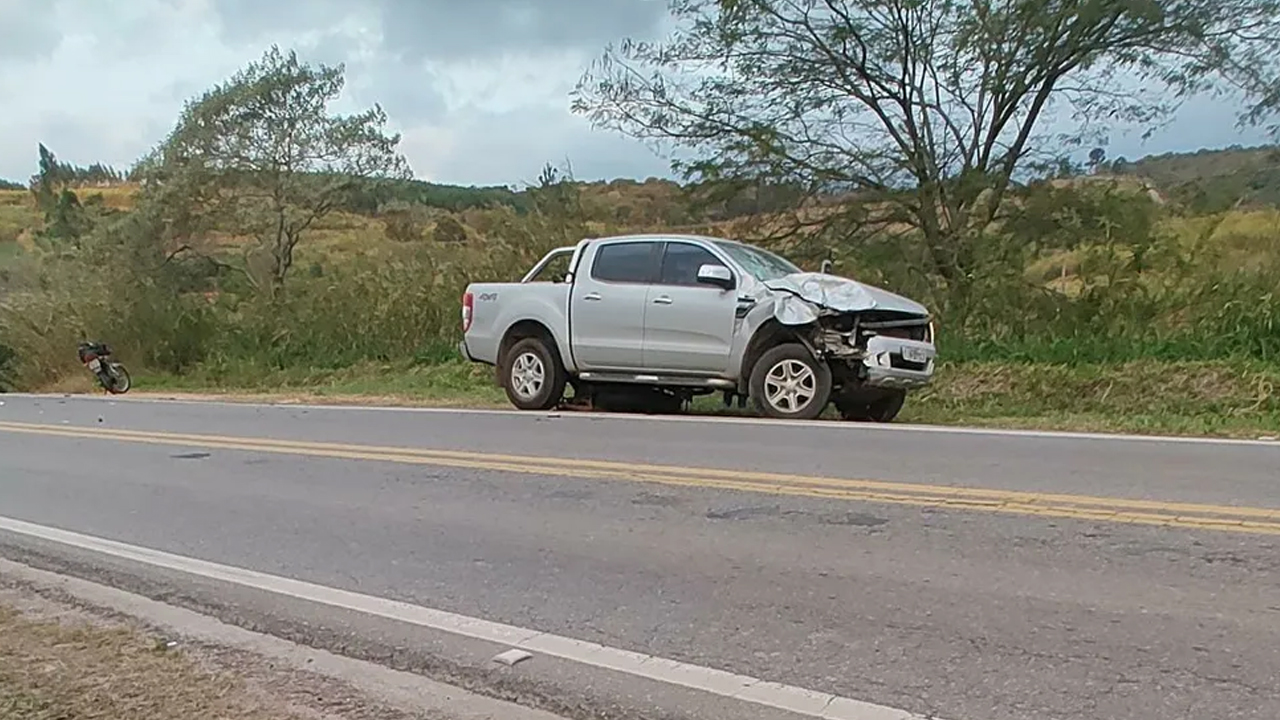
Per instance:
x=927, y=110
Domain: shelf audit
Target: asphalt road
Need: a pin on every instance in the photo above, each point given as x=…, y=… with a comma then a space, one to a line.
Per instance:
x=867, y=584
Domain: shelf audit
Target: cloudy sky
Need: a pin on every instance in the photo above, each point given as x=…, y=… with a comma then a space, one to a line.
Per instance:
x=479, y=88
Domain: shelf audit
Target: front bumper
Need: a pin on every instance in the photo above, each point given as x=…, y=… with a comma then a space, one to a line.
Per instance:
x=897, y=363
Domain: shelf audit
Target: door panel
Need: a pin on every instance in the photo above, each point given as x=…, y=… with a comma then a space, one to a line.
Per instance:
x=607, y=310
x=689, y=326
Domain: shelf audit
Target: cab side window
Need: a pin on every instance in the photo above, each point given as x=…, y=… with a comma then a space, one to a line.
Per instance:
x=628, y=262
x=680, y=264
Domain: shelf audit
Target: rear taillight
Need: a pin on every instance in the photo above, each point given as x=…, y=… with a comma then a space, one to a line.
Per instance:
x=468, y=305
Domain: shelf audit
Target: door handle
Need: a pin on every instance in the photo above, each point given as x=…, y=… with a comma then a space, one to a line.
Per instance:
x=662, y=300
x=591, y=296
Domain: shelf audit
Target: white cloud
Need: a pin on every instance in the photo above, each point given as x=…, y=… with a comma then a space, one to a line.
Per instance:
x=479, y=88
x=478, y=102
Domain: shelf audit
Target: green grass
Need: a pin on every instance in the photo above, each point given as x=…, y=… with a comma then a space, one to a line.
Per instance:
x=1220, y=398
x=449, y=383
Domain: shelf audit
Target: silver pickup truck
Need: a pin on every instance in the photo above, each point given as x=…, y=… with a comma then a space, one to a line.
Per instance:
x=651, y=321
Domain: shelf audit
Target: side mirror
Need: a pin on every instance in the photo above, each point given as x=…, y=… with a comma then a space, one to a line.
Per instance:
x=717, y=275
x=826, y=267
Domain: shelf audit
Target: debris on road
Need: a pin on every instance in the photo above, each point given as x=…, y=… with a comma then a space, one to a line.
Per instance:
x=512, y=656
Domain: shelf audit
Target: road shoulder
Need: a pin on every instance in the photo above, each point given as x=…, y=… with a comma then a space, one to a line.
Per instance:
x=80, y=642
x=1254, y=420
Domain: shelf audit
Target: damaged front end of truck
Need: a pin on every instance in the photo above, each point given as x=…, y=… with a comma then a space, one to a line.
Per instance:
x=879, y=345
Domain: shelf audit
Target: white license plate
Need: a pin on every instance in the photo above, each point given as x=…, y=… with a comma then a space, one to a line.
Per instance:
x=915, y=354
x=95, y=364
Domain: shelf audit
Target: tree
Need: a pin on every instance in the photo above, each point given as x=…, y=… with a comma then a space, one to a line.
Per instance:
x=556, y=192
x=65, y=218
x=261, y=156
x=556, y=203
x=1097, y=156
x=49, y=181
x=927, y=110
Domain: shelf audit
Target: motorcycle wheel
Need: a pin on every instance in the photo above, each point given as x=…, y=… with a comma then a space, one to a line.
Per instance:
x=120, y=380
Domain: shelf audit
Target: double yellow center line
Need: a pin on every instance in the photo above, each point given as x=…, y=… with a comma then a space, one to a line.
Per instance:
x=1079, y=507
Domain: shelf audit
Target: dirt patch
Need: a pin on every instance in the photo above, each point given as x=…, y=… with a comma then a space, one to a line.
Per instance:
x=70, y=667
x=59, y=661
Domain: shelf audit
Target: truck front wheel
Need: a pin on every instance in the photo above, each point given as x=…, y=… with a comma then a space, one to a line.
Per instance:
x=533, y=376
x=789, y=382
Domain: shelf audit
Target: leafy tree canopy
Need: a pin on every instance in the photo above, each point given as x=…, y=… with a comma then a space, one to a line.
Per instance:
x=261, y=155
x=927, y=110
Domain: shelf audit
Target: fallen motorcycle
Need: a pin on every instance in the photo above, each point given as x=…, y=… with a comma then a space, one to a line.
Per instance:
x=113, y=376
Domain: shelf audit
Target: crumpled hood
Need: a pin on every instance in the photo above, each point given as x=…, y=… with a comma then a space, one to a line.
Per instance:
x=800, y=292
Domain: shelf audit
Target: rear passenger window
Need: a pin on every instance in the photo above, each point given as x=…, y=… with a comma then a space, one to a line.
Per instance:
x=624, y=262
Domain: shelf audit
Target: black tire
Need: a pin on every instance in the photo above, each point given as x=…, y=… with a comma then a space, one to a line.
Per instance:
x=883, y=409
x=818, y=377
x=120, y=380
x=524, y=363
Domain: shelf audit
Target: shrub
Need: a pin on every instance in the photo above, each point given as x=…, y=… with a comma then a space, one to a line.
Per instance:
x=403, y=223
x=8, y=361
x=449, y=230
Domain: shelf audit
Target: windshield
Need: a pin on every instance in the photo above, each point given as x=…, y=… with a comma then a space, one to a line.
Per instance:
x=762, y=264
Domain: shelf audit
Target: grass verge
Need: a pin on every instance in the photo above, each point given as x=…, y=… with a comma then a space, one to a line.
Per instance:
x=448, y=384
x=52, y=670
x=1219, y=398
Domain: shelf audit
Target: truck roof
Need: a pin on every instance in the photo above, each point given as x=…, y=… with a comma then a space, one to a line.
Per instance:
x=662, y=236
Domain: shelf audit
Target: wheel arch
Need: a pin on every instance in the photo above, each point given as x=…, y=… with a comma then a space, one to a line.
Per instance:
x=770, y=334
x=528, y=329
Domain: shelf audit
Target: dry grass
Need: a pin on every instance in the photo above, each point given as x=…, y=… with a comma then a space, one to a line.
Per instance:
x=15, y=198
x=16, y=220
x=1235, y=399
x=20, y=220
x=118, y=197
x=51, y=670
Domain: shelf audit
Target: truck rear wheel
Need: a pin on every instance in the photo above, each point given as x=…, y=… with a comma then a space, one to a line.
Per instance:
x=533, y=376
x=789, y=382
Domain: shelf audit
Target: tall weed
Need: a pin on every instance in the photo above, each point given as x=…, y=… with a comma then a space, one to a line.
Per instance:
x=1068, y=286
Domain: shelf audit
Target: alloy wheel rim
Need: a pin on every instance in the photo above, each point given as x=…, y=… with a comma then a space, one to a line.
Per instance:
x=790, y=385
x=528, y=375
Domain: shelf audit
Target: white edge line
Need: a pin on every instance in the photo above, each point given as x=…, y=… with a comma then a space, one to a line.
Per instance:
x=706, y=419
x=718, y=682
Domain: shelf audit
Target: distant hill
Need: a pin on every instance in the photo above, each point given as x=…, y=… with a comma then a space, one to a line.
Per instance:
x=1209, y=181
x=375, y=194
x=1205, y=181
